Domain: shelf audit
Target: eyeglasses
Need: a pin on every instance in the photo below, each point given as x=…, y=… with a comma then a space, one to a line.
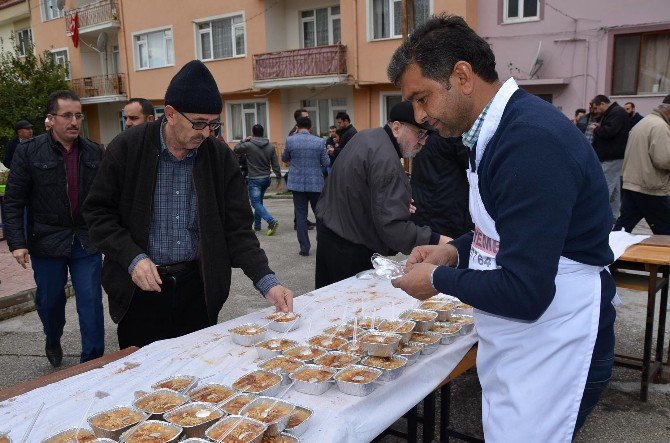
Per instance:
x=200, y=125
x=69, y=115
x=420, y=134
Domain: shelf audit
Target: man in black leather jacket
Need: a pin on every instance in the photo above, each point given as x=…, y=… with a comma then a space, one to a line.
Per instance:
x=50, y=178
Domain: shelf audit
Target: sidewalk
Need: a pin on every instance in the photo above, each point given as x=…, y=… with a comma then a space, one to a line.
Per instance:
x=17, y=287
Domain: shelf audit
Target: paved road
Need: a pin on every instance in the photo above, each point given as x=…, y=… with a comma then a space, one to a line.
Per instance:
x=620, y=416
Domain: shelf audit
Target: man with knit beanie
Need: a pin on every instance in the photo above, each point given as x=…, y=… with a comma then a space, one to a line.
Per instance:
x=169, y=211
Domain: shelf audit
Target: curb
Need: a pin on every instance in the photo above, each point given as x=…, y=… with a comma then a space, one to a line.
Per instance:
x=24, y=302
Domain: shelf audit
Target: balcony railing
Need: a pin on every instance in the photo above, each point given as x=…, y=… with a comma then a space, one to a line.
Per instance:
x=94, y=14
x=307, y=62
x=101, y=85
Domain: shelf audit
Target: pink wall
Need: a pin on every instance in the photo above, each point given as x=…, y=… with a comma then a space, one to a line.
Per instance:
x=577, y=45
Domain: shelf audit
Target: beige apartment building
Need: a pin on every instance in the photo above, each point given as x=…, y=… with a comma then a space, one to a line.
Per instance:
x=15, y=29
x=269, y=57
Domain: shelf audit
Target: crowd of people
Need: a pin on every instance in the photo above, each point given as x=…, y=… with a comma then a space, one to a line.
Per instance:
x=509, y=208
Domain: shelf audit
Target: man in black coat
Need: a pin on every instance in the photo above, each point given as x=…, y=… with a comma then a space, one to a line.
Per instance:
x=24, y=131
x=169, y=210
x=440, y=186
x=610, y=136
x=51, y=176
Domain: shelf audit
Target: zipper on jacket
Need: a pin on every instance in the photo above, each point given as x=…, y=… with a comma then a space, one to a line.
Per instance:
x=202, y=261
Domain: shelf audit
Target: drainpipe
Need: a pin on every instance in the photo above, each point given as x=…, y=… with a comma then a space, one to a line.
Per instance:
x=356, y=42
x=125, y=45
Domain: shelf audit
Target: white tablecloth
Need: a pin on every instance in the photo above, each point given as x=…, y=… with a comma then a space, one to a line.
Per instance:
x=337, y=417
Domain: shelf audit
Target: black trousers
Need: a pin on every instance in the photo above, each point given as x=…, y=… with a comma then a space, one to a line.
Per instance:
x=177, y=310
x=635, y=206
x=338, y=258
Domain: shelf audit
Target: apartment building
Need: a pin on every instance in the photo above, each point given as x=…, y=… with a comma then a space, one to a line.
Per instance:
x=15, y=29
x=269, y=57
x=568, y=51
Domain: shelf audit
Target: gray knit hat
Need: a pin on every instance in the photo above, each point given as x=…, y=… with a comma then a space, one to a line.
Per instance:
x=194, y=90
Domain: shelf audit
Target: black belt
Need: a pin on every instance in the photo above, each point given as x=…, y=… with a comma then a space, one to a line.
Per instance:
x=176, y=268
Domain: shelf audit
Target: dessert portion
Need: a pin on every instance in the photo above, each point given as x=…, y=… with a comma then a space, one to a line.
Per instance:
x=387, y=363
x=379, y=339
x=396, y=326
x=268, y=411
x=357, y=375
x=236, y=430
x=446, y=328
x=281, y=438
x=282, y=317
x=250, y=329
x=235, y=405
x=304, y=352
x=337, y=360
x=344, y=331
x=72, y=436
x=408, y=349
x=298, y=416
x=462, y=319
x=327, y=341
x=257, y=381
x=211, y=393
x=153, y=432
x=193, y=415
x=419, y=315
x=353, y=347
x=313, y=375
x=116, y=419
x=281, y=363
x=426, y=339
x=435, y=305
x=160, y=401
x=277, y=344
x=178, y=383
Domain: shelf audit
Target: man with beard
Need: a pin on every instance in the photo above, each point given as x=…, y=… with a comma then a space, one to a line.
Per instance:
x=364, y=206
x=170, y=212
x=534, y=267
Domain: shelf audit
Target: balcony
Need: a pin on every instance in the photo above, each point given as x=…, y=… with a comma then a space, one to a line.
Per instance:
x=95, y=17
x=318, y=66
x=100, y=88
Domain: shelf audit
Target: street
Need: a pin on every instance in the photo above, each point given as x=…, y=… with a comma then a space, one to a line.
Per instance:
x=620, y=416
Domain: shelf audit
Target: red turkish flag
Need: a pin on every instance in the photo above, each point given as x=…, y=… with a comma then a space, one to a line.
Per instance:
x=73, y=25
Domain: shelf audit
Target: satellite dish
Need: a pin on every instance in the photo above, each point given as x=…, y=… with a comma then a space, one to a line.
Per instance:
x=537, y=63
x=101, y=43
x=60, y=4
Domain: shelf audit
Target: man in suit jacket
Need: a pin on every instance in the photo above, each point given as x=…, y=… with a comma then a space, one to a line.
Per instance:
x=307, y=155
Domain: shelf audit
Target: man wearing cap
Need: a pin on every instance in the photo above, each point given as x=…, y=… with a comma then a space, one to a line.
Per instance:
x=170, y=211
x=364, y=206
x=24, y=130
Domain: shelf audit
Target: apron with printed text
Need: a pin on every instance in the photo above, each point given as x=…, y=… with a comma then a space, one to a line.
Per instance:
x=532, y=373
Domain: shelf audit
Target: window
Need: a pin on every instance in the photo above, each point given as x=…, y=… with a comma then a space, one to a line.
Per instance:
x=60, y=56
x=50, y=10
x=641, y=64
x=389, y=100
x=242, y=116
x=154, y=49
x=223, y=38
x=387, y=17
x=320, y=27
x=24, y=41
x=322, y=112
x=520, y=10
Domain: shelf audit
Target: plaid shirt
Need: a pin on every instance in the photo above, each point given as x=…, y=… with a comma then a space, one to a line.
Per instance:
x=472, y=135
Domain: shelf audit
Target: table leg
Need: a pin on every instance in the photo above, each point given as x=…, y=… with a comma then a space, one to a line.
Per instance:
x=445, y=409
x=662, y=320
x=412, y=425
x=648, y=332
x=429, y=417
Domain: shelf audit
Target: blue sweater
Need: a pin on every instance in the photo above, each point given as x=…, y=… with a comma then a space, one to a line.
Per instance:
x=542, y=184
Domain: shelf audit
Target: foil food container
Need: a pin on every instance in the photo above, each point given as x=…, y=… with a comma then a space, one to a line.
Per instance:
x=129, y=433
x=327, y=342
x=314, y=352
x=103, y=440
x=358, y=389
x=353, y=347
x=466, y=328
x=443, y=308
x=267, y=351
x=211, y=433
x=196, y=430
x=226, y=404
x=301, y=427
x=447, y=337
x=59, y=435
x=316, y=387
x=284, y=437
x=323, y=360
x=404, y=335
x=159, y=415
x=412, y=357
x=271, y=390
x=114, y=434
x=192, y=383
x=286, y=325
x=193, y=393
x=345, y=331
x=464, y=309
x=276, y=426
x=195, y=440
x=421, y=325
x=427, y=349
x=388, y=374
x=381, y=349
x=279, y=371
x=248, y=339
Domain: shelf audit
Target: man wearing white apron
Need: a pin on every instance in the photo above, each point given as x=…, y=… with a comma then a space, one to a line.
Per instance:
x=534, y=266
